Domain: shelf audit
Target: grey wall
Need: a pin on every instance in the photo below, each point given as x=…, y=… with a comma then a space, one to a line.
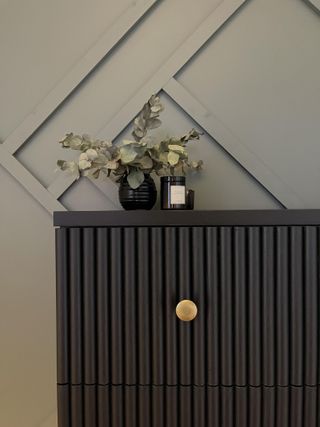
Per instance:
x=245, y=72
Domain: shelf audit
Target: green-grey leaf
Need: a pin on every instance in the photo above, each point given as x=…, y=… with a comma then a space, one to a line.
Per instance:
x=128, y=154
x=177, y=148
x=140, y=122
x=163, y=157
x=135, y=178
x=112, y=164
x=146, y=162
x=75, y=143
x=139, y=133
x=173, y=158
x=153, y=123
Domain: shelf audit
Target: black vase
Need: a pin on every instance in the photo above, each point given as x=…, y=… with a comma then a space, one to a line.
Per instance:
x=143, y=197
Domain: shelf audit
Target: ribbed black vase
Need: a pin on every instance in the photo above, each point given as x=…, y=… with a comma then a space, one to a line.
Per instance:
x=143, y=197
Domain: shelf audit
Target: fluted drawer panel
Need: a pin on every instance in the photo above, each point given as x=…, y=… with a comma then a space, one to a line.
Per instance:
x=256, y=290
x=180, y=406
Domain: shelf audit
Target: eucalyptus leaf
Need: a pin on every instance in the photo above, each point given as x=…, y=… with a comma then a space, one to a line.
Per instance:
x=173, y=158
x=70, y=166
x=112, y=164
x=192, y=134
x=62, y=164
x=128, y=154
x=75, y=143
x=156, y=108
x=139, y=133
x=145, y=162
x=163, y=157
x=140, y=122
x=135, y=178
x=133, y=158
x=177, y=148
x=153, y=123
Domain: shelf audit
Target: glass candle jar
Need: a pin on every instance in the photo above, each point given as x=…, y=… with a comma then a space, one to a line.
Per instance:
x=173, y=192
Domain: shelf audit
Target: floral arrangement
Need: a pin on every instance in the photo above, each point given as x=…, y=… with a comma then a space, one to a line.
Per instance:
x=132, y=159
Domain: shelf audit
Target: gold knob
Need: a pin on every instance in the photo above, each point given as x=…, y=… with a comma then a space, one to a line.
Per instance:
x=186, y=310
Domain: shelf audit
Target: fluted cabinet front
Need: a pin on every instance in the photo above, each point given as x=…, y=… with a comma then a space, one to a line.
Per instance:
x=250, y=358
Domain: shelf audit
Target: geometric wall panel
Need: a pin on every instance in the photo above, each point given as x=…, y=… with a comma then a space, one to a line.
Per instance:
x=48, y=197
x=163, y=78
x=232, y=145
x=315, y=4
x=259, y=97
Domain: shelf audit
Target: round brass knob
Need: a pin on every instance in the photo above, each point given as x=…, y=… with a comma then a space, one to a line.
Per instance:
x=186, y=310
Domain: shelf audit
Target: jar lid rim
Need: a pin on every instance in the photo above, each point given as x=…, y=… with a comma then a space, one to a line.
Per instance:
x=173, y=178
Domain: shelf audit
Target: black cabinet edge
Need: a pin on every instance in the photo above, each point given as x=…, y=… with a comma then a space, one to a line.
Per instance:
x=158, y=218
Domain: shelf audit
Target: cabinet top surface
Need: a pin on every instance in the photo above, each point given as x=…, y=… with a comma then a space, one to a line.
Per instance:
x=161, y=218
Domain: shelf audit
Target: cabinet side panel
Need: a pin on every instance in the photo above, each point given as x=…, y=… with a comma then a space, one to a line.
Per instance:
x=62, y=260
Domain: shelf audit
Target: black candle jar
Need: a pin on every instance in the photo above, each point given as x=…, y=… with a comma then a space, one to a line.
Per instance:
x=173, y=192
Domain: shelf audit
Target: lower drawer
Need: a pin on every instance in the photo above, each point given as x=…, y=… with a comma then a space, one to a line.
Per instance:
x=187, y=406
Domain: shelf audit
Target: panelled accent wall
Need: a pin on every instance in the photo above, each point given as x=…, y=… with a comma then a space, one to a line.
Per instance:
x=167, y=77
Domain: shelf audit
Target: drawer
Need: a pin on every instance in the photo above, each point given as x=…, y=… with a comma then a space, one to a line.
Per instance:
x=256, y=290
x=188, y=406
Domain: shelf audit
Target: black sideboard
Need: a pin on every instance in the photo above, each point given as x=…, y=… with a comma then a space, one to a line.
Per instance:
x=251, y=356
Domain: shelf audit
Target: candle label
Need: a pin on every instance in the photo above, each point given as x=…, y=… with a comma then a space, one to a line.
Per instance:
x=178, y=194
